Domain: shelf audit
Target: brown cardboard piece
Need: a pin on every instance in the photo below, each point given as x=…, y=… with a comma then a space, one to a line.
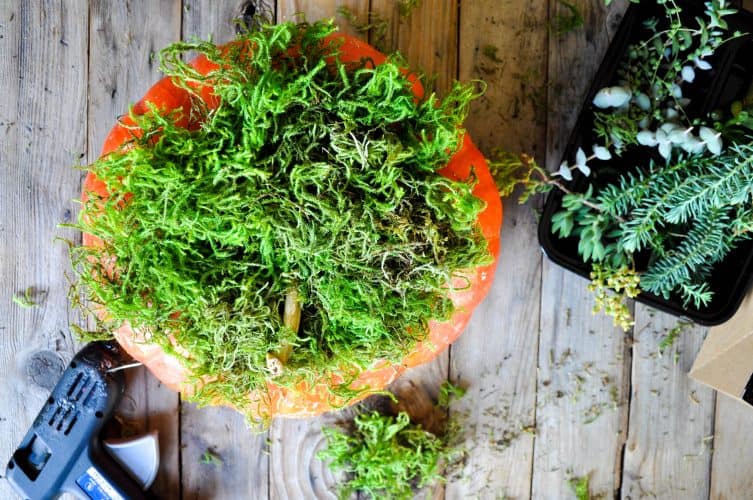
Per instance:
x=725, y=361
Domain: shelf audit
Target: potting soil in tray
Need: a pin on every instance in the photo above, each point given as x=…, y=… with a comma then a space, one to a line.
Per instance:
x=728, y=80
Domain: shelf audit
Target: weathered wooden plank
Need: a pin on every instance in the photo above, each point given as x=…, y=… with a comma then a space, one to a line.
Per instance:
x=668, y=452
x=221, y=457
x=295, y=470
x=581, y=417
x=426, y=35
x=582, y=391
x=221, y=20
x=731, y=462
x=573, y=59
x=43, y=46
x=731, y=459
x=313, y=10
x=507, y=48
x=241, y=467
x=496, y=356
x=124, y=36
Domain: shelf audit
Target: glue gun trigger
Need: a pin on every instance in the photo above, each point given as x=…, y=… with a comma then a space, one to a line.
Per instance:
x=138, y=456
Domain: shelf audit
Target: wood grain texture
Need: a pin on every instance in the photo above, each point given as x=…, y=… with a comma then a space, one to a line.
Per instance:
x=732, y=460
x=221, y=457
x=220, y=20
x=668, y=452
x=121, y=58
x=508, y=49
x=573, y=60
x=496, y=356
x=43, y=47
x=243, y=467
x=313, y=10
x=427, y=37
x=295, y=472
x=581, y=418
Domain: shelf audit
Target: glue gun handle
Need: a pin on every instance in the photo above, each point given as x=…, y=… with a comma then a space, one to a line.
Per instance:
x=96, y=476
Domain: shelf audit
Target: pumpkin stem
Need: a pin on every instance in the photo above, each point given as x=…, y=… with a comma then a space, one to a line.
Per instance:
x=292, y=315
x=291, y=318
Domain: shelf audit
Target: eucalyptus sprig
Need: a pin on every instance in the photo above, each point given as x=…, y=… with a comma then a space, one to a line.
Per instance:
x=682, y=215
x=647, y=107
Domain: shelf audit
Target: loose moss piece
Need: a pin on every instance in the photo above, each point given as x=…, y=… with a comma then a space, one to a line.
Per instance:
x=312, y=176
x=405, y=7
x=672, y=335
x=384, y=456
x=581, y=488
x=209, y=457
x=448, y=392
x=391, y=455
x=28, y=300
x=490, y=51
x=567, y=18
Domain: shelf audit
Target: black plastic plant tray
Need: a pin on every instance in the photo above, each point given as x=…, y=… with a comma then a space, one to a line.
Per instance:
x=727, y=81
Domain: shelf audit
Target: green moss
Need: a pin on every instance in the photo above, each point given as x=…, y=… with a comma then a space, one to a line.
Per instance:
x=29, y=299
x=313, y=177
x=384, y=456
x=580, y=487
x=490, y=51
x=448, y=392
x=405, y=7
x=566, y=18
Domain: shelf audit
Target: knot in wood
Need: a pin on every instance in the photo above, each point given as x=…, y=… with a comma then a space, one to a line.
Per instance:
x=44, y=368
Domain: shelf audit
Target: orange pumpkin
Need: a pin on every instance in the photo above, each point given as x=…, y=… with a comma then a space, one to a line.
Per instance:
x=306, y=401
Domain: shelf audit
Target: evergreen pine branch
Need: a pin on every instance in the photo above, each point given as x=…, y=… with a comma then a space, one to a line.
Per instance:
x=643, y=227
x=742, y=224
x=619, y=198
x=705, y=243
x=642, y=199
x=712, y=182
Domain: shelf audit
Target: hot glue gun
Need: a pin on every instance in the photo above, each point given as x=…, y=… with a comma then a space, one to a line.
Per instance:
x=63, y=452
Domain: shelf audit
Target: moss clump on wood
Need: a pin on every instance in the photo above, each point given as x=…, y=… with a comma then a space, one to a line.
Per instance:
x=390, y=455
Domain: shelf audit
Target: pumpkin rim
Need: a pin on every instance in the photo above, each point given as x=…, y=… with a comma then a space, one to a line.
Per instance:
x=307, y=401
